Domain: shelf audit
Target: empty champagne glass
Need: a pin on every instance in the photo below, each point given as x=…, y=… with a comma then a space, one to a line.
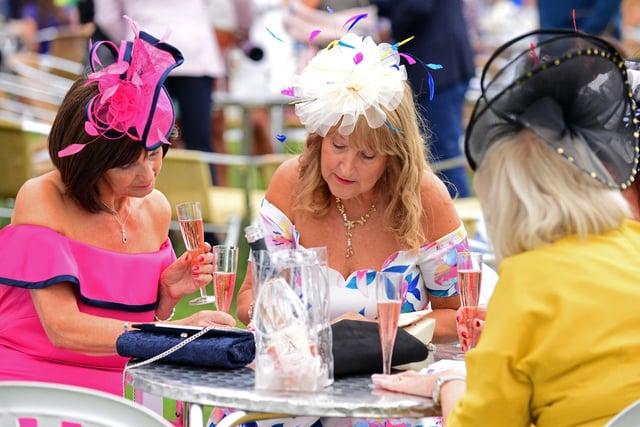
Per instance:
x=190, y=219
x=469, y=280
x=225, y=267
x=389, y=294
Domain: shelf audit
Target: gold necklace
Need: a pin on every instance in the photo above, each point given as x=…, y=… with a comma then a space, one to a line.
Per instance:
x=113, y=212
x=350, y=224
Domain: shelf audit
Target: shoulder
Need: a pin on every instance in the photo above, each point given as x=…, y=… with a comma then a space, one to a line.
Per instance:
x=440, y=214
x=157, y=205
x=279, y=192
x=40, y=201
x=156, y=212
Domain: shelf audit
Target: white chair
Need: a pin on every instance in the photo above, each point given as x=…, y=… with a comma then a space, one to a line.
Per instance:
x=44, y=404
x=628, y=417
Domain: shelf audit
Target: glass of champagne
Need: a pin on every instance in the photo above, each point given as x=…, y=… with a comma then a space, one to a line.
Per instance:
x=469, y=280
x=389, y=295
x=225, y=267
x=190, y=219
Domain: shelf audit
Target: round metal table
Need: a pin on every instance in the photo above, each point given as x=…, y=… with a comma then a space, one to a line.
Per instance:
x=352, y=396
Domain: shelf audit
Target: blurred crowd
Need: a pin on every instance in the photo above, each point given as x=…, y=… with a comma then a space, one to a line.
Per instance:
x=272, y=34
x=248, y=47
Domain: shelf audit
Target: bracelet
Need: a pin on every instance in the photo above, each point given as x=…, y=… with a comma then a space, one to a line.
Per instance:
x=157, y=319
x=440, y=381
x=250, y=311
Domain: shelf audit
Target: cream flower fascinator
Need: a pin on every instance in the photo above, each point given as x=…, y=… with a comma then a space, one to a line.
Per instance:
x=352, y=76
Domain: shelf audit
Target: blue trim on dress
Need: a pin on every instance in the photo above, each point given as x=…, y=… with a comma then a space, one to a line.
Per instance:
x=179, y=59
x=88, y=301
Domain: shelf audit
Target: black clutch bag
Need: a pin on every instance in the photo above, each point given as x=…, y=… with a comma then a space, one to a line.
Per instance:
x=356, y=348
x=216, y=347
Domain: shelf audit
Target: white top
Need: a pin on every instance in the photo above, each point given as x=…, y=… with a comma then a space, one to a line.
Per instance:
x=187, y=21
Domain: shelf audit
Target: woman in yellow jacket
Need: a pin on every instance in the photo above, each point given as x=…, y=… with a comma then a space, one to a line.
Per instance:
x=553, y=139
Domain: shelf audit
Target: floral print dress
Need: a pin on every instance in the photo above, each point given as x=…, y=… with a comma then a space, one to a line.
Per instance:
x=430, y=272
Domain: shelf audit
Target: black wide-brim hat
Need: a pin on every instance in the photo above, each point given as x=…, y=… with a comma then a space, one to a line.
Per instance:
x=569, y=88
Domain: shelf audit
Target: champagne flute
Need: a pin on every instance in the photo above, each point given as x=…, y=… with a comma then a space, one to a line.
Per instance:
x=190, y=219
x=389, y=294
x=225, y=263
x=469, y=281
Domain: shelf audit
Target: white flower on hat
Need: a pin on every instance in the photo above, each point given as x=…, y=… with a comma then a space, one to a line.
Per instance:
x=351, y=77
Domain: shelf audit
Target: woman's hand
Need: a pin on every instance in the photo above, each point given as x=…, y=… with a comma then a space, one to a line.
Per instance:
x=469, y=325
x=409, y=382
x=186, y=275
x=412, y=382
x=206, y=318
x=350, y=315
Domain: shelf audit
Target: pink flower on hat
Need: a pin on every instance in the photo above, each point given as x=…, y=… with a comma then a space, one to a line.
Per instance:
x=119, y=105
x=123, y=111
x=131, y=101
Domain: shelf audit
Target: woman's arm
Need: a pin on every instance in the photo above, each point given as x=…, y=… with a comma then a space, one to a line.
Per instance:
x=70, y=329
x=451, y=388
x=444, y=311
x=279, y=194
x=440, y=219
x=244, y=300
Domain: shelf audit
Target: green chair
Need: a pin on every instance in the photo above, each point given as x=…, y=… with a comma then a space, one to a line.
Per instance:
x=23, y=155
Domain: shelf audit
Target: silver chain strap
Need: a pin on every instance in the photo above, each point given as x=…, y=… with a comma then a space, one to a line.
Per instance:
x=161, y=355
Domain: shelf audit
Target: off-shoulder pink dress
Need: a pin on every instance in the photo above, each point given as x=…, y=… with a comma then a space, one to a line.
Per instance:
x=109, y=284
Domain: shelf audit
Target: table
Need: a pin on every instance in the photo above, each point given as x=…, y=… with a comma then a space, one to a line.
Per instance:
x=247, y=104
x=352, y=396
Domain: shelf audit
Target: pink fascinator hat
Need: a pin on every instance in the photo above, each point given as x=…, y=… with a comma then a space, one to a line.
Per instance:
x=132, y=101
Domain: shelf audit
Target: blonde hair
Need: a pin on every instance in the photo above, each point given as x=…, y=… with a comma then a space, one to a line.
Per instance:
x=403, y=142
x=531, y=197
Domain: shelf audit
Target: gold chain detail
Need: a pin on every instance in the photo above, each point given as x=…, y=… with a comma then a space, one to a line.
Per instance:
x=350, y=224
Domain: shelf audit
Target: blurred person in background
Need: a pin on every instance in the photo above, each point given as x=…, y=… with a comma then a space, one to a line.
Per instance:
x=37, y=15
x=441, y=37
x=233, y=21
x=599, y=17
x=191, y=31
x=326, y=17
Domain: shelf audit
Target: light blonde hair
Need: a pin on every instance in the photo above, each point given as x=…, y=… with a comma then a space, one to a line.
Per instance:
x=532, y=196
x=404, y=144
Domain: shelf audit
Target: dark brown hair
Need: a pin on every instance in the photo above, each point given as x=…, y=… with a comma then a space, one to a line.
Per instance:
x=80, y=172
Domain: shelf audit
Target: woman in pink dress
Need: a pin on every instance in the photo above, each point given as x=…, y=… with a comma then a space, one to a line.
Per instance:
x=87, y=254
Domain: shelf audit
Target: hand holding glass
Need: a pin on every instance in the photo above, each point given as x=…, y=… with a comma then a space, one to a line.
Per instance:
x=190, y=219
x=469, y=280
x=389, y=299
x=225, y=267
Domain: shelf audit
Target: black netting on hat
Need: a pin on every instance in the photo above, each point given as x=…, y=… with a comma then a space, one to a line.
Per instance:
x=569, y=88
